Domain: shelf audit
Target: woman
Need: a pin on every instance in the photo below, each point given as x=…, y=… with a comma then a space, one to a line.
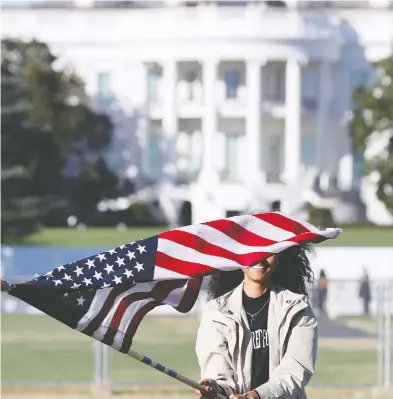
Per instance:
x=258, y=338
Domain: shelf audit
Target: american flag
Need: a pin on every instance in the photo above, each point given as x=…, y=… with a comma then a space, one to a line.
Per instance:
x=107, y=295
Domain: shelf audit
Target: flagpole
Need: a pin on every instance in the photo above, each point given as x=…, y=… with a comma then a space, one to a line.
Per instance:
x=170, y=372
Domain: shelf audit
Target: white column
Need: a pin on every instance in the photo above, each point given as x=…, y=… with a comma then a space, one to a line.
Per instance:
x=142, y=128
x=292, y=150
x=209, y=123
x=254, y=119
x=169, y=120
x=204, y=203
x=324, y=139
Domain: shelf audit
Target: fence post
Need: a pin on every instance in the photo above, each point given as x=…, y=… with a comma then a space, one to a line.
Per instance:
x=97, y=361
x=380, y=334
x=107, y=367
x=102, y=381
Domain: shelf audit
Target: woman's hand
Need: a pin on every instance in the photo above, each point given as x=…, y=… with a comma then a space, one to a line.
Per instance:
x=211, y=389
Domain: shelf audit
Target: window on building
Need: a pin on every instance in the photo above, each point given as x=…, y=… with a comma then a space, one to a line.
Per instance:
x=189, y=154
x=186, y=151
x=274, y=153
x=104, y=88
x=154, y=147
x=275, y=84
x=310, y=83
x=154, y=154
x=189, y=147
x=195, y=152
x=309, y=150
x=231, y=155
x=153, y=80
x=191, y=78
x=232, y=78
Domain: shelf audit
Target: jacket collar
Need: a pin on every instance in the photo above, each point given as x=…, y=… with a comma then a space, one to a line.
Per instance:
x=231, y=304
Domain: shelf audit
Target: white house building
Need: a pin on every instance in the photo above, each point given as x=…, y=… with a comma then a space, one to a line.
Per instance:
x=245, y=103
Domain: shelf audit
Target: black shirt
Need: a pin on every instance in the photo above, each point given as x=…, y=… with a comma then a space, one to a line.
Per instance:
x=260, y=339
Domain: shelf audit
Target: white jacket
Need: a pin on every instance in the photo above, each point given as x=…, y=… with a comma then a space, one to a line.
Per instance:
x=224, y=344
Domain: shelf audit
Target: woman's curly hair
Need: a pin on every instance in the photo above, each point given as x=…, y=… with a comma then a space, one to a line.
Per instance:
x=293, y=272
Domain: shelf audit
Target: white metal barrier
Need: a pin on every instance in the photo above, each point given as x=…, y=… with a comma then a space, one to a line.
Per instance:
x=102, y=367
x=384, y=346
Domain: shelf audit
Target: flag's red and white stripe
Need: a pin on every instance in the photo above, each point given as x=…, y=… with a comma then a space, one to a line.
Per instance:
x=229, y=244
x=115, y=313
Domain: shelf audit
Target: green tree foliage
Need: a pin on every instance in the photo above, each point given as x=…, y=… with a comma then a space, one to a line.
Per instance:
x=46, y=120
x=372, y=116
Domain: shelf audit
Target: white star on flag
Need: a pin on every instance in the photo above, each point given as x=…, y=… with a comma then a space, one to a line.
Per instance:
x=139, y=266
x=101, y=257
x=130, y=255
x=75, y=286
x=112, y=251
x=80, y=301
x=57, y=282
x=108, y=268
x=128, y=273
x=117, y=280
x=120, y=261
x=67, y=277
x=78, y=271
x=61, y=268
x=141, y=249
x=90, y=263
x=87, y=281
x=98, y=276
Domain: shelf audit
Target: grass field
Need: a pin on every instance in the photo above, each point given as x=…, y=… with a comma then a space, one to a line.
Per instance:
x=111, y=237
x=105, y=237
x=37, y=348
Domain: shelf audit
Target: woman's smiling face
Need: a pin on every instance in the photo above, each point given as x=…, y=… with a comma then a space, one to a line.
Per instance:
x=261, y=272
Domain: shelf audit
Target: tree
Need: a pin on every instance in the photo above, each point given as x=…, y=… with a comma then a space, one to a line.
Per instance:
x=372, y=120
x=46, y=120
x=22, y=211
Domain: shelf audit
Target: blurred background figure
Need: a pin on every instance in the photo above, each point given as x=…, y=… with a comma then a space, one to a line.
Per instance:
x=322, y=291
x=365, y=292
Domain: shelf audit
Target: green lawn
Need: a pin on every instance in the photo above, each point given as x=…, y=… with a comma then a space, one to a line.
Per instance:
x=111, y=237
x=363, y=236
x=106, y=237
x=38, y=348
